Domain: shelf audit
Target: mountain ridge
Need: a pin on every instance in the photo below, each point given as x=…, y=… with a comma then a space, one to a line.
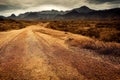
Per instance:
x=83, y=12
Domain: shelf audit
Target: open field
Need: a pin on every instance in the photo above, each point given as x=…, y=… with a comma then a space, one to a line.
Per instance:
x=9, y=24
x=108, y=31
x=39, y=53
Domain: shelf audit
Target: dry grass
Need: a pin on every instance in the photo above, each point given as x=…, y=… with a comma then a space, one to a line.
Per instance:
x=39, y=53
x=108, y=51
x=108, y=31
x=9, y=24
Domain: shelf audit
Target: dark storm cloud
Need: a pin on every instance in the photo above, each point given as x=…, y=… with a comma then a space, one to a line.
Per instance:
x=104, y=1
x=23, y=4
x=8, y=6
x=4, y=7
x=66, y=3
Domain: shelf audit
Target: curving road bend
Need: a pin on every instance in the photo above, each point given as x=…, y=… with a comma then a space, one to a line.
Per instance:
x=38, y=53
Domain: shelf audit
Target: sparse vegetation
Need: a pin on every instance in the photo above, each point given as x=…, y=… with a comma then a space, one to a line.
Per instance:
x=100, y=31
x=38, y=53
x=108, y=31
x=9, y=24
x=108, y=50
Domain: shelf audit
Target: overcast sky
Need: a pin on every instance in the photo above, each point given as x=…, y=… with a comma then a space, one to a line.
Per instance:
x=8, y=7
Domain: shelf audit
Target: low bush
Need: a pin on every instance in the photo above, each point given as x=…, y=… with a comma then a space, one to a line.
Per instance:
x=9, y=24
x=108, y=31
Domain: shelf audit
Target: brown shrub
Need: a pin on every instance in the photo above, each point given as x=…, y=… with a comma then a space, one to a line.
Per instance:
x=103, y=30
x=8, y=24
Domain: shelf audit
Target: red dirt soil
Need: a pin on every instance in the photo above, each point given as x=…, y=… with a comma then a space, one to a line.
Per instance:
x=38, y=53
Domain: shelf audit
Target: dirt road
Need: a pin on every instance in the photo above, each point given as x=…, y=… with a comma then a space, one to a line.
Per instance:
x=38, y=53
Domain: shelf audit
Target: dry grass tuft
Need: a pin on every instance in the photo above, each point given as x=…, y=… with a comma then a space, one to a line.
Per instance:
x=108, y=31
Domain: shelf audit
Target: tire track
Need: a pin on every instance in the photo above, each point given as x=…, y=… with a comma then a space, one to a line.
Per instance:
x=11, y=37
x=33, y=55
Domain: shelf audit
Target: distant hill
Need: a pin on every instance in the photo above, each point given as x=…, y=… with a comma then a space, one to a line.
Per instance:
x=41, y=15
x=83, y=9
x=83, y=12
x=2, y=17
x=92, y=14
x=13, y=16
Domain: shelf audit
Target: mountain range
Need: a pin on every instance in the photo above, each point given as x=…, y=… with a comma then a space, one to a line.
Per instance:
x=83, y=12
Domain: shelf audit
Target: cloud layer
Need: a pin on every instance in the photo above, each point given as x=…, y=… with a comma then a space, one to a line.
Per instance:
x=104, y=1
x=18, y=6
